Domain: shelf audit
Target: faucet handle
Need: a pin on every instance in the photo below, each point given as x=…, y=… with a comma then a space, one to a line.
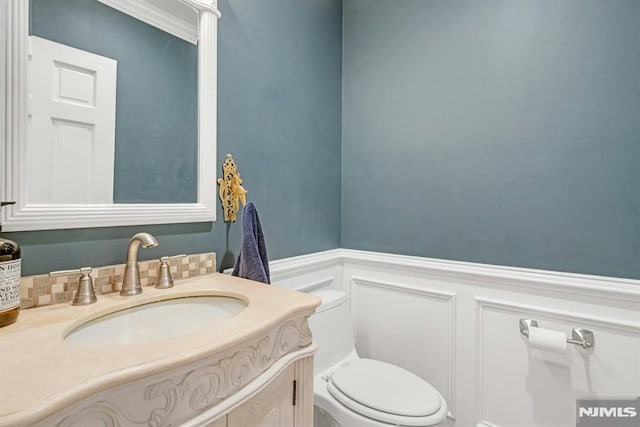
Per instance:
x=169, y=258
x=85, y=293
x=164, y=272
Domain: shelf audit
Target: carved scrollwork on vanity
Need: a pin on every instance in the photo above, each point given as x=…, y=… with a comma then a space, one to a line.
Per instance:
x=179, y=395
x=306, y=335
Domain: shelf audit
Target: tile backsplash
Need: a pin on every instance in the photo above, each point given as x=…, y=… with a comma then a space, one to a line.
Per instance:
x=39, y=290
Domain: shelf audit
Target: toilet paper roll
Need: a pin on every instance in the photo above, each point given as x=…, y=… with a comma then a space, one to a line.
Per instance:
x=547, y=339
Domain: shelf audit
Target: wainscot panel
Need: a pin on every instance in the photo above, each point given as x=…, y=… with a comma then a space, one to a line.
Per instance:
x=456, y=324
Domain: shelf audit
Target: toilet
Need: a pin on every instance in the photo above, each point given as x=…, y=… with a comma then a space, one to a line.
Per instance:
x=350, y=391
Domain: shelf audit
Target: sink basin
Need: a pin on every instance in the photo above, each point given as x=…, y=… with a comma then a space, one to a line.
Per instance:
x=156, y=321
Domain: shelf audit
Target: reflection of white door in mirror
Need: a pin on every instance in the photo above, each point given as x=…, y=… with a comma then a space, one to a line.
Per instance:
x=71, y=127
x=28, y=214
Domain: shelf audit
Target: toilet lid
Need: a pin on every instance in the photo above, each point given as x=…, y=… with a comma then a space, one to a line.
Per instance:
x=387, y=388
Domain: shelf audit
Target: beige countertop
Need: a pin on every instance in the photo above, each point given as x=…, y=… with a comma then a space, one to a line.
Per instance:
x=40, y=371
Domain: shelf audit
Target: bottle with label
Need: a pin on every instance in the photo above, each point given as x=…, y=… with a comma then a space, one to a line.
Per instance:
x=9, y=280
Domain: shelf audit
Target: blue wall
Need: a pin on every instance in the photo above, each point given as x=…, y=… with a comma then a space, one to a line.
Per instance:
x=497, y=131
x=279, y=114
x=500, y=132
x=156, y=98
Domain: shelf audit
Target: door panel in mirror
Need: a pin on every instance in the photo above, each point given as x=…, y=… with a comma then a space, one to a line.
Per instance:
x=71, y=126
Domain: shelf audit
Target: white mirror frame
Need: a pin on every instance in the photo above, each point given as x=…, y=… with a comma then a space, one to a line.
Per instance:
x=14, y=14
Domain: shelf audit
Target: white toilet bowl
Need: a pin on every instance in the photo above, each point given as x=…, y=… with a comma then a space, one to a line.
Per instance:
x=350, y=391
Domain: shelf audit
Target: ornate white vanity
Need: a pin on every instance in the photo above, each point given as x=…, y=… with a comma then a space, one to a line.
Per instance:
x=251, y=367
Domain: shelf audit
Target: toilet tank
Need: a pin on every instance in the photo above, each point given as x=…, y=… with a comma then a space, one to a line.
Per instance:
x=332, y=329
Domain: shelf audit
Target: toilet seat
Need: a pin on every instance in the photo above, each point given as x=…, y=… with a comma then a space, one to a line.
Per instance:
x=385, y=393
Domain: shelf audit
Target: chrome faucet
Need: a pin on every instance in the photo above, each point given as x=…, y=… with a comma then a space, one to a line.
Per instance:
x=131, y=283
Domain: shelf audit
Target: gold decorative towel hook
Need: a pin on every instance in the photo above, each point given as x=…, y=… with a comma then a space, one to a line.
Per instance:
x=231, y=189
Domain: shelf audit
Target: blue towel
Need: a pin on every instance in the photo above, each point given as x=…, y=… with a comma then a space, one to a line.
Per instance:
x=252, y=262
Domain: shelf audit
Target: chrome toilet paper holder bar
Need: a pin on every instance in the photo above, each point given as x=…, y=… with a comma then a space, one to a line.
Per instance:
x=579, y=336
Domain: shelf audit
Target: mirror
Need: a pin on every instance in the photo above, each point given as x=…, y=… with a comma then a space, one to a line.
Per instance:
x=160, y=166
x=113, y=104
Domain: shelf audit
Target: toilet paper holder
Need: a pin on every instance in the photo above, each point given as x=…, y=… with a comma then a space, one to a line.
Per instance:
x=579, y=336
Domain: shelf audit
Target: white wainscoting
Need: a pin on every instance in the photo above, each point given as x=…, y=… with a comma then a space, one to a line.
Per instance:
x=456, y=325
x=410, y=326
x=541, y=387
x=306, y=273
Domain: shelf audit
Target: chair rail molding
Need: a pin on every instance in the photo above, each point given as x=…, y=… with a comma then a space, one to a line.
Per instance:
x=560, y=284
x=514, y=278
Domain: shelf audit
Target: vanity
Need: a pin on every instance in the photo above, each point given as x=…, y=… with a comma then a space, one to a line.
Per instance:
x=214, y=350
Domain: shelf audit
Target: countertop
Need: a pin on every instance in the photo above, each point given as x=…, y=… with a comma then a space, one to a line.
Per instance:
x=40, y=371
